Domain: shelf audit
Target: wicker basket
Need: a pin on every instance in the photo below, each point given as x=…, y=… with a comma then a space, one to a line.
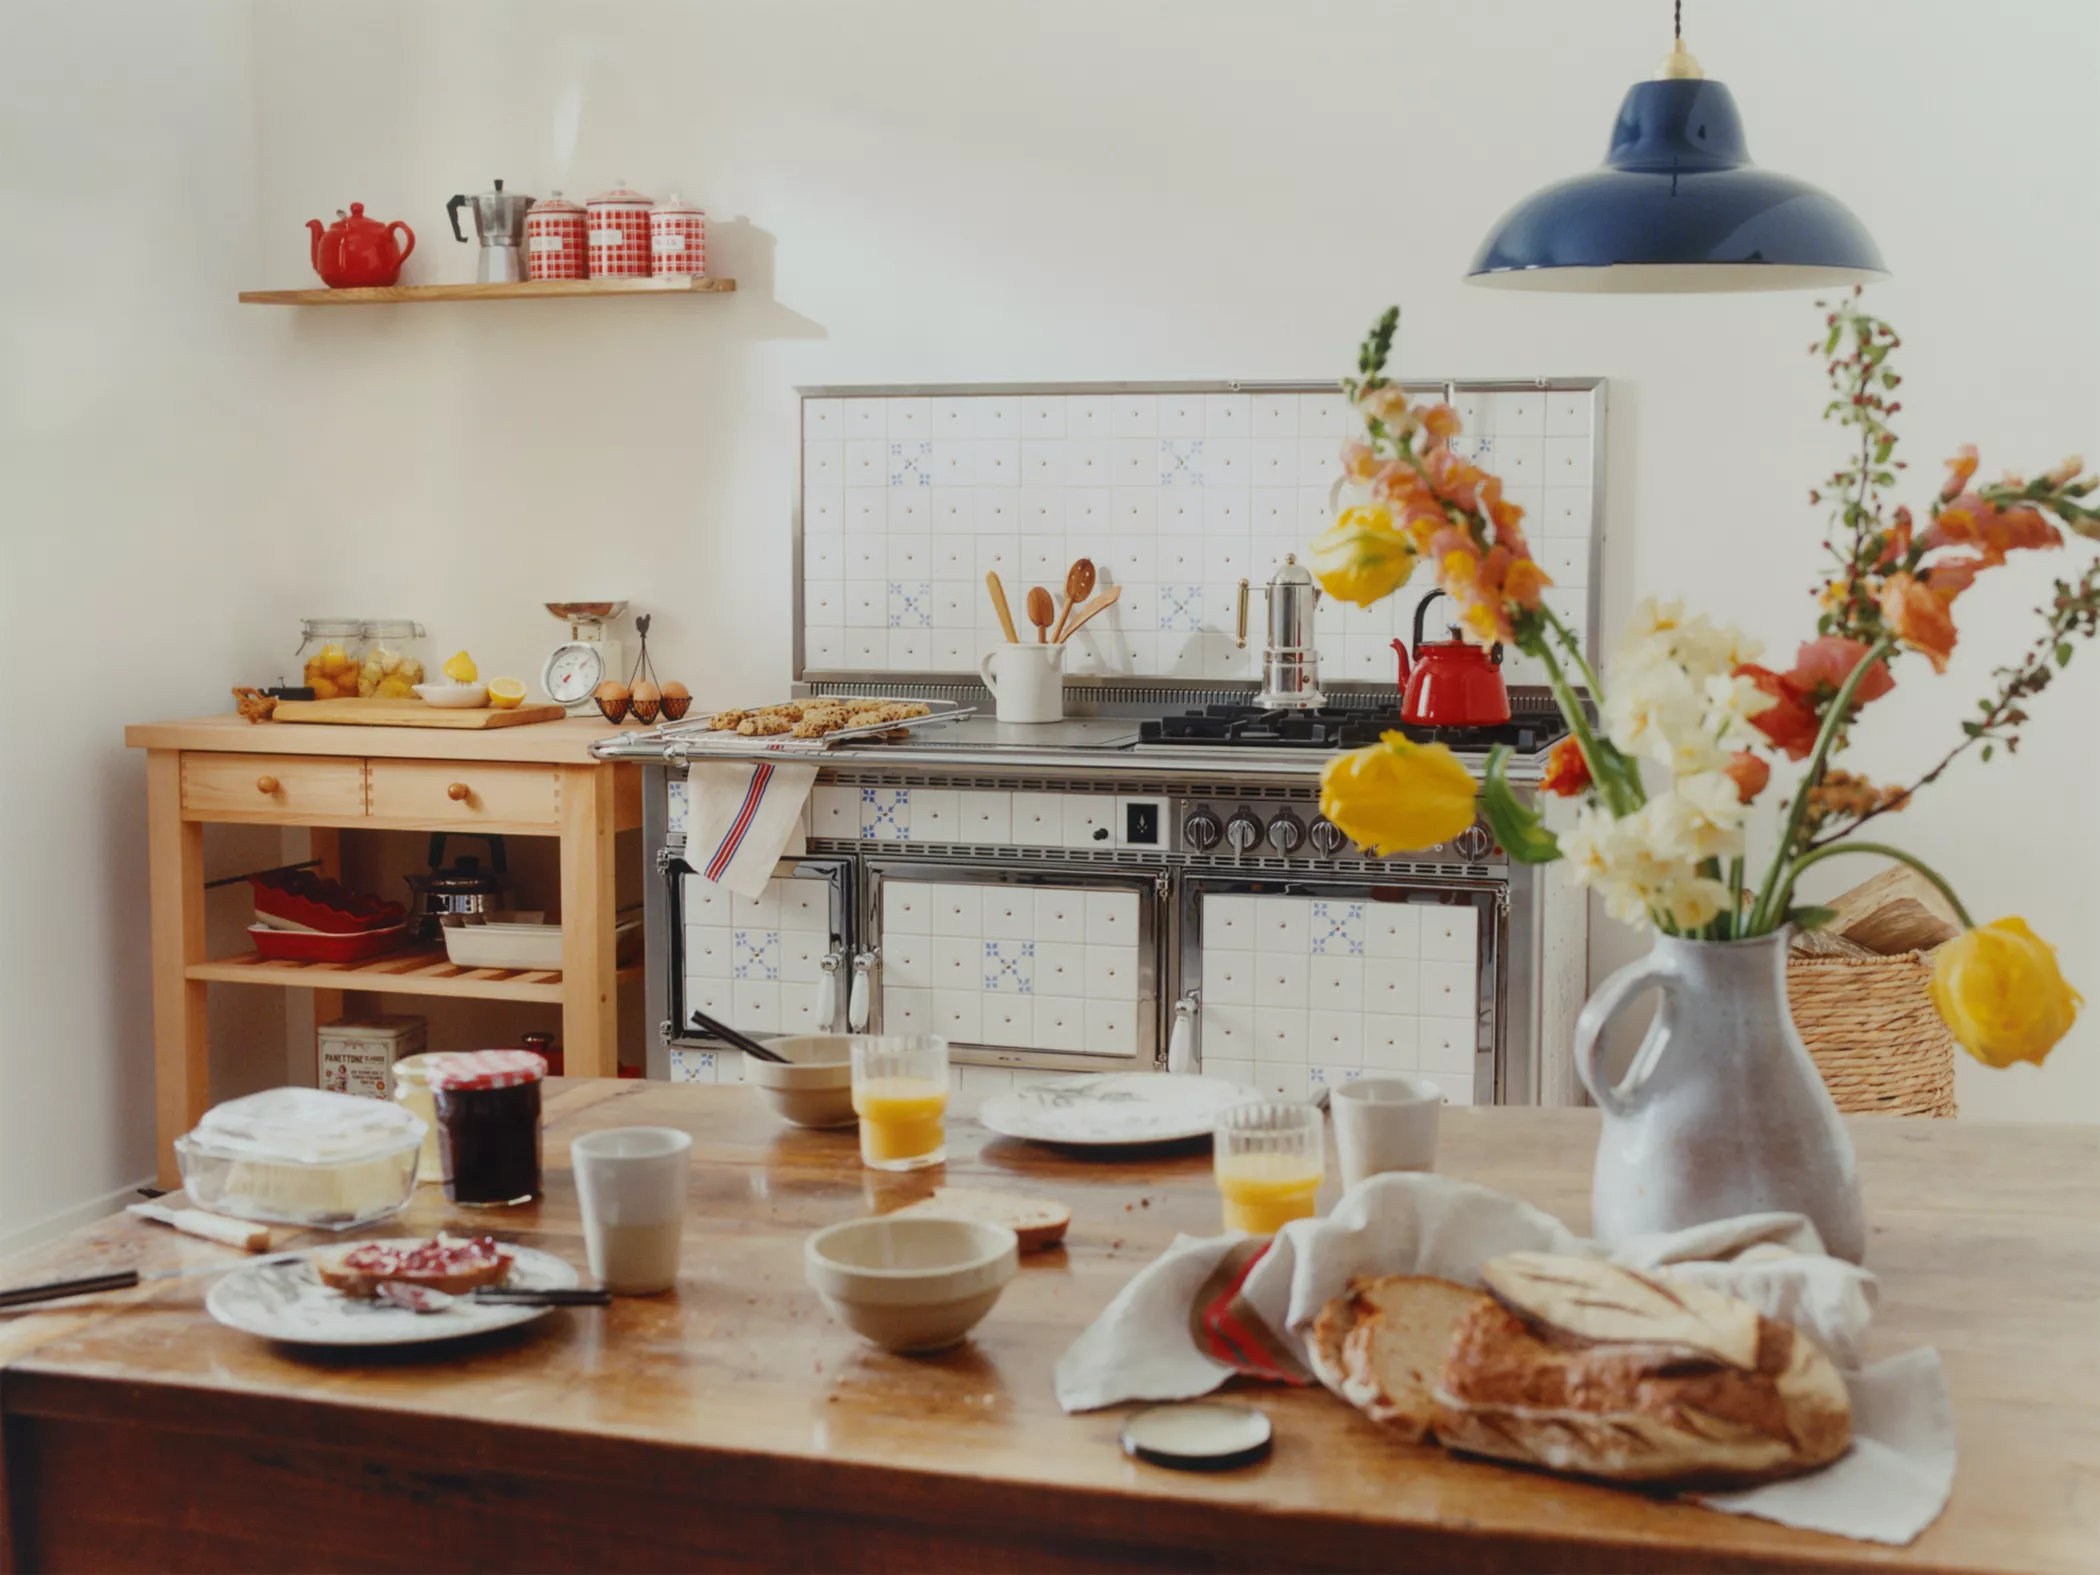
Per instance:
x=1870, y=1024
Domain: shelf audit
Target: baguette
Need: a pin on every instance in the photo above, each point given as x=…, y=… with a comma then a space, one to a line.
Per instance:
x=1588, y=1368
x=1039, y=1222
x=1388, y=1344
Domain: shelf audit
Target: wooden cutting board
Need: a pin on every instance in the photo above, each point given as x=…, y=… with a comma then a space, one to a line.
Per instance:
x=409, y=713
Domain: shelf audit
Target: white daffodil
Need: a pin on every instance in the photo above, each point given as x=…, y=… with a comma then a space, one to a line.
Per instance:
x=1694, y=901
x=1700, y=817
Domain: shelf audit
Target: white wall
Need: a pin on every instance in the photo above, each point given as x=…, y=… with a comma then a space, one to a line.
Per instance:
x=938, y=190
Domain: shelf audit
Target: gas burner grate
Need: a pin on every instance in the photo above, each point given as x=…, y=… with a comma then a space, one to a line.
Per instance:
x=1329, y=728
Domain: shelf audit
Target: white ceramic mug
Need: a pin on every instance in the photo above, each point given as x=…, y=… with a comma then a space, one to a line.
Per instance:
x=630, y=1183
x=1028, y=681
x=1385, y=1123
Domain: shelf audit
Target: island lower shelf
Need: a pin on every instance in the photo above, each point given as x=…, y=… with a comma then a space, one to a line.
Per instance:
x=419, y=971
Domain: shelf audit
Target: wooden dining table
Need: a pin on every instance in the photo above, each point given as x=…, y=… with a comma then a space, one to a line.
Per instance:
x=732, y=1424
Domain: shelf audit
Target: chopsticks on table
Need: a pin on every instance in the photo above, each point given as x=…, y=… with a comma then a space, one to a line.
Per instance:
x=743, y=1042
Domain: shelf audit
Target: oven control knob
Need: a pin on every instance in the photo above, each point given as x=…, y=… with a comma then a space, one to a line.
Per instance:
x=1200, y=830
x=1286, y=833
x=1327, y=838
x=1243, y=831
x=1474, y=843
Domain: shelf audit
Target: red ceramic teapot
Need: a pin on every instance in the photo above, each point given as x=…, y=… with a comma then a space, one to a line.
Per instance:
x=356, y=250
x=1450, y=683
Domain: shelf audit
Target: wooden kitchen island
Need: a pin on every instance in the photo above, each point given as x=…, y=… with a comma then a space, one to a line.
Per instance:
x=732, y=1425
x=537, y=780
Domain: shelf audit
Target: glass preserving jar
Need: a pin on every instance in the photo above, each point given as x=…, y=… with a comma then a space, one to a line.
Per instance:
x=488, y=1119
x=330, y=651
x=393, y=660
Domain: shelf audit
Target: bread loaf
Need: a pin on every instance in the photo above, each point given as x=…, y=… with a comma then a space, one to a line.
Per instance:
x=452, y=1264
x=1382, y=1344
x=1585, y=1367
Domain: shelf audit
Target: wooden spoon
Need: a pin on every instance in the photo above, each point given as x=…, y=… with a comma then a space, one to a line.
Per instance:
x=1079, y=585
x=1099, y=604
x=1006, y=616
x=1042, y=612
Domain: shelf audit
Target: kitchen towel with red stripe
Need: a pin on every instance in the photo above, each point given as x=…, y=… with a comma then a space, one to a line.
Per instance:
x=743, y=818
x=1213, y=1308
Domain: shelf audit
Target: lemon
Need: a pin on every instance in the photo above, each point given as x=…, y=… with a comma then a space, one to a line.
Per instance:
x=505, y=693
x=461, y=669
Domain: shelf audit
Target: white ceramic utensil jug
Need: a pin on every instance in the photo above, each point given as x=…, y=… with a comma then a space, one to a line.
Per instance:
x=1028, y=681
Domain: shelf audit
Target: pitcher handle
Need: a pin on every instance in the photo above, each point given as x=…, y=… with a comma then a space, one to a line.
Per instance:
x=1610, y=998
x=984, y=671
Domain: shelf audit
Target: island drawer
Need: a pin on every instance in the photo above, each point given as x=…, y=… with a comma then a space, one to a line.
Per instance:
x=288, y=789
x=455, y=792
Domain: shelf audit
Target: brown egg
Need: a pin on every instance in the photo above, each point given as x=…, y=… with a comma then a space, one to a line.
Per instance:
x=674, y=690
x=647, y=690
x=612, y=689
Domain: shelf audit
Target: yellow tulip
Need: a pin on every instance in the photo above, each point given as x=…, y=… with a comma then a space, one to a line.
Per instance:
x=1999, y=991
x=1398, y=796
x=1363, y=557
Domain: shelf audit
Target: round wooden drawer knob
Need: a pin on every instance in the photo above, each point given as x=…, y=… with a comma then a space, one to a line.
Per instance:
x=457, y=792
x=266, y=785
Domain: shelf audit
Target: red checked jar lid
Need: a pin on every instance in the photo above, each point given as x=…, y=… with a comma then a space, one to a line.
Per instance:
x=676, y=204
x=468, y=1069
x=555, y=204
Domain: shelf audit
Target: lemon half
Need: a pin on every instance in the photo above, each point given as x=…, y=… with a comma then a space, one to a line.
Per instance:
x=505, y=693
x=461, y=669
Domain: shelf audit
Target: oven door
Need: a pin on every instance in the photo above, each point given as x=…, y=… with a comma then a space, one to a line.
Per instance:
x=777, y=963
x=1291, y=986
x=1019, y=968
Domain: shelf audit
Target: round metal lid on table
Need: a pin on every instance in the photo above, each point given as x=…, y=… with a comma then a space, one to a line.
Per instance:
x=484, y=1069
x=1205, y=1436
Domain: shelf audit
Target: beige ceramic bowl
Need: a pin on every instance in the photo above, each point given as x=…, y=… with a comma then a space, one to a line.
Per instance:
x=911, y=1284
x=815, y=1087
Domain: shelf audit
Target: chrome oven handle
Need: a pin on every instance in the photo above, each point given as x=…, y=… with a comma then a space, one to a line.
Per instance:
x=857, y=997
x=1181, y=1041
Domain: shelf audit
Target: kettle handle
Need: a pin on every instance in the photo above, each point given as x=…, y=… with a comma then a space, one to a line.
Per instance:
x=452, y=212
x=1422, y=615
x=495, y=842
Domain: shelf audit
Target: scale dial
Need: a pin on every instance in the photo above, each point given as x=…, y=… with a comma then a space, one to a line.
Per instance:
x=573, y=672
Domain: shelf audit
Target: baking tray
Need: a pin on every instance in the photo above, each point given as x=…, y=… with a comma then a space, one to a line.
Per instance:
x=691, y=738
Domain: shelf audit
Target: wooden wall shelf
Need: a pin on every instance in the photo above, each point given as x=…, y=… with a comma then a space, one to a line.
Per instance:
x=528, y=290
x=419, y=971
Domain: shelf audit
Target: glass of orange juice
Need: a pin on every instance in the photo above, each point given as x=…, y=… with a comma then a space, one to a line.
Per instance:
x=1270, y=1156
x=900, y=1093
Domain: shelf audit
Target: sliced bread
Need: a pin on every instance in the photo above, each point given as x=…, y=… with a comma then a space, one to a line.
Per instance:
x=1394, y=1350
x=452, y=1264
x=1039, y=1222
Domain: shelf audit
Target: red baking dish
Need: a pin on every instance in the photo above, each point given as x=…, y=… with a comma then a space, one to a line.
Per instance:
x=310, y=946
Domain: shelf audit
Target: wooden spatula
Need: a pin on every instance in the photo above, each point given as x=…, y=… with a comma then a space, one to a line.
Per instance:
x=1042, y=612
x=1099, y=604
x=1079, y=585
x=1006, y=616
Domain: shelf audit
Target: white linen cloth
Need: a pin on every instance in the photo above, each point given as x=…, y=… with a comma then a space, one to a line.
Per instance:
x=742, y=818
x=1889, y=1487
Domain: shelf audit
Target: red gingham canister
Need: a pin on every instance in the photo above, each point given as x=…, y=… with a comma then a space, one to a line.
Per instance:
x=678, y=238
x=619, y=221
x=557, y=240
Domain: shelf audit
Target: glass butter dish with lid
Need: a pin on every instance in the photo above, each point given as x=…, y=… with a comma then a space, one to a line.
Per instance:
x=302, y=1156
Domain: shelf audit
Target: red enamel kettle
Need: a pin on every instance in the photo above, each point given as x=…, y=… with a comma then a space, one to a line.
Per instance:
x=1450, y=683
x=356, y=250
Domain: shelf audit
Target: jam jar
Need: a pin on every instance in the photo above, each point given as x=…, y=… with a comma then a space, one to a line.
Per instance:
x=488, y=1121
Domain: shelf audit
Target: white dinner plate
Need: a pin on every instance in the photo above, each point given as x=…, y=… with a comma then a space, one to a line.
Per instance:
x=1122, y=1109
x=287, y=1301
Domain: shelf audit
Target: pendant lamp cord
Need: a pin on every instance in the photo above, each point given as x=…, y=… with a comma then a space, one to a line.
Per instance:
x=1677, y=22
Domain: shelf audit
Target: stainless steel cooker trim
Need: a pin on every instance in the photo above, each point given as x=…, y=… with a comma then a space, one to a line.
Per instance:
x=1597, y=387
x=1490, y=903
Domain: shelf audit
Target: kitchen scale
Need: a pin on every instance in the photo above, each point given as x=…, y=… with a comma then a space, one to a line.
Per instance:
x=589, y=656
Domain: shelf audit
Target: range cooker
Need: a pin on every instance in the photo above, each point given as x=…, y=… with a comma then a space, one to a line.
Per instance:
x=1117, y=892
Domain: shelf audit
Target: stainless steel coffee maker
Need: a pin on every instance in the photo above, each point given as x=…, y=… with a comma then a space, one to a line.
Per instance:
x=1290, y=658
x=499, y=222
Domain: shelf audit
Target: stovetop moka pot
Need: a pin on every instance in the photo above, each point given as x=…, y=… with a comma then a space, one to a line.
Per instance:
x=499, y=223
x=1290, y=658
x=463, y=887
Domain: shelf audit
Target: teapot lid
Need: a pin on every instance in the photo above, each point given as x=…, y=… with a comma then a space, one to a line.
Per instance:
x=622, y=194
x=555, y=204
x=676, y=204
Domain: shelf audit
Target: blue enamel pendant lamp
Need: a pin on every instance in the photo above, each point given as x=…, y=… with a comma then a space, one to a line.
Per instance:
x=1678, y=208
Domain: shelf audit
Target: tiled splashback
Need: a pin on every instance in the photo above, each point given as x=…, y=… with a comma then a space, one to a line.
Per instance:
x=1299, y=992
x=757, y=962
x=909, y=500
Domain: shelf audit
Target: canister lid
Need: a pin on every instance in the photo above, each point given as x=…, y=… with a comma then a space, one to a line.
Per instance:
x=621, y=196
x=465, y=1069
x=555, y=204
x=393, y=629
x=676, y=204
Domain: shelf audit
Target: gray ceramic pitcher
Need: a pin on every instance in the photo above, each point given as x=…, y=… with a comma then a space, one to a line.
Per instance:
x=1721, y=1111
